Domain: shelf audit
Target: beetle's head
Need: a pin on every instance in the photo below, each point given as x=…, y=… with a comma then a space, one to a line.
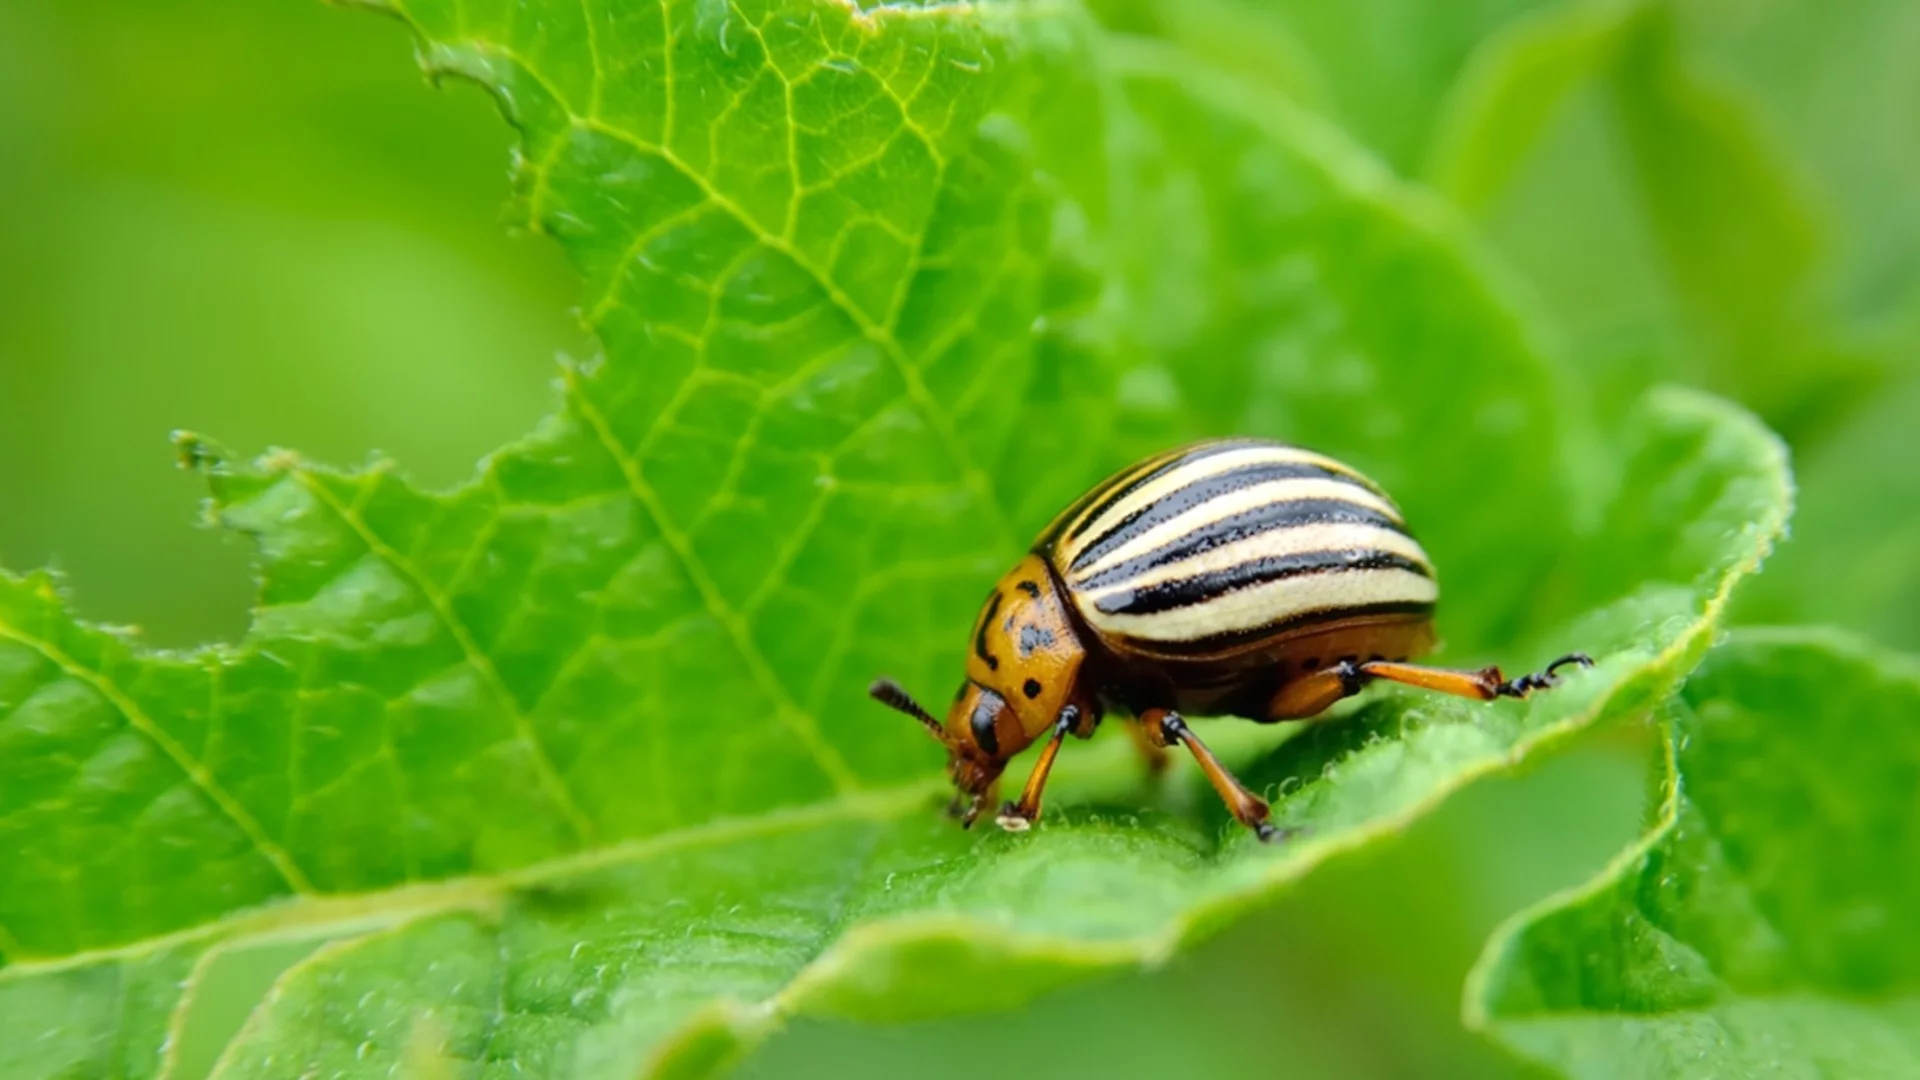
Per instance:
x=980, y=734
x=1023, y=668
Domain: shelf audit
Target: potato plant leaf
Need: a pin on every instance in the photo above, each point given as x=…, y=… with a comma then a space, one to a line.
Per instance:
x=1759, y=929
x=568, y=770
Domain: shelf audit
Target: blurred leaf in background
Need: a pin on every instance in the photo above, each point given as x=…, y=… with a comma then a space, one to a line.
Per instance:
x=1851, y=557
x=1712, y=191
x=252, y=218
x=1721, y=193
x=1674, y=228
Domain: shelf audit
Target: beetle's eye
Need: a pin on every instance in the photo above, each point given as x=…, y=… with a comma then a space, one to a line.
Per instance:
x=985, y=711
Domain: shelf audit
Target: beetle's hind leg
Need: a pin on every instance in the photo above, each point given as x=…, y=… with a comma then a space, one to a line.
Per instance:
x=1311, y=694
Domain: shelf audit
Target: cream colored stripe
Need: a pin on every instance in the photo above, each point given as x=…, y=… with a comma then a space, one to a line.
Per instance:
x=1273, y=602
x=1234, y=503
x=1178, y=478
x=1279, y=543
x=1072, y=523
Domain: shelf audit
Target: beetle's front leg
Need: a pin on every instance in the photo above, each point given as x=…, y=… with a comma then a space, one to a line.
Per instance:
x=1164, y=727
x=1020, y=816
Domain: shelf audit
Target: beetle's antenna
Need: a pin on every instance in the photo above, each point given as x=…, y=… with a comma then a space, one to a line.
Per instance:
x=889, y=693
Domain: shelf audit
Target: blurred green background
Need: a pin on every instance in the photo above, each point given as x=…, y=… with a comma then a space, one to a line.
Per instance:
x=254, y=219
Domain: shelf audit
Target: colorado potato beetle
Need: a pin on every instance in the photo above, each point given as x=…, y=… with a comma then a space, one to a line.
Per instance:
x=1238, y=577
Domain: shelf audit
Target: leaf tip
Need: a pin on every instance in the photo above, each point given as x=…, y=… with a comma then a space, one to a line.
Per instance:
x=196, y=453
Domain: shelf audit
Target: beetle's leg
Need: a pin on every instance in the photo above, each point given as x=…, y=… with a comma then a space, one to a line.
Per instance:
x=1310, y=695
x=1020, y=816
x=1152, y=753
x=1086, y=719
x=1164, y=727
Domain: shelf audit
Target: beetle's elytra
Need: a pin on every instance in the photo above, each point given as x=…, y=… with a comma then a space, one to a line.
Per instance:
x=1237, y=577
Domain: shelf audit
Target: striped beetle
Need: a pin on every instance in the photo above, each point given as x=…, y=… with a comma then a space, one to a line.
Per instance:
x=1235, y=577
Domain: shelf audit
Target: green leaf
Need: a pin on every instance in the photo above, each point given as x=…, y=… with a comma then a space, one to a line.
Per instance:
x=1735, y=196
x=568, y=769
x=1512, y=90
x=1851, y=560
x=1382, y=69
x=1704, y=239
x=1762, y=928
x=1834, y=85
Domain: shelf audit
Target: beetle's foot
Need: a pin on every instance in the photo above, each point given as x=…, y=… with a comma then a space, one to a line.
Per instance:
x=1542, y=680
x=1579, y=658
x=1013, y=819
x=1269, y=833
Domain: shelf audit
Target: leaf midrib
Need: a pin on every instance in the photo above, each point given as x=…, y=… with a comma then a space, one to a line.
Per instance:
x=315, y=914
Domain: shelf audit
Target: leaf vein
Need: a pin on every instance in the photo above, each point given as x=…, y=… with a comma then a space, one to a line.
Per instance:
x=196, y=772
x=799, y=721
x=889, y=345
x=917, y=391
x=476, y=657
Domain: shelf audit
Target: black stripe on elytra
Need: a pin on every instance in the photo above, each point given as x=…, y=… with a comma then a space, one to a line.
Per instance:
x=1229, y=641
x=1185, y=592
x=980, y=635
x=1182, y=499
x=1101, y=500
x=1265, y=518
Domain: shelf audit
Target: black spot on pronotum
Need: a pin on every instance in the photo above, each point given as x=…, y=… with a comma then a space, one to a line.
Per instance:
x=1034, y=637
x=1031, y=688
x=1030, y=589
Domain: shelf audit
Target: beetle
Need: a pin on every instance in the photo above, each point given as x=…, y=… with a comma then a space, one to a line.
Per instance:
x=1235, y=577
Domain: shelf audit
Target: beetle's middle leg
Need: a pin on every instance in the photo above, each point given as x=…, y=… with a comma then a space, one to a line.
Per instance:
x=1164, y=728
x=1153, y=754
x=1311, y=694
